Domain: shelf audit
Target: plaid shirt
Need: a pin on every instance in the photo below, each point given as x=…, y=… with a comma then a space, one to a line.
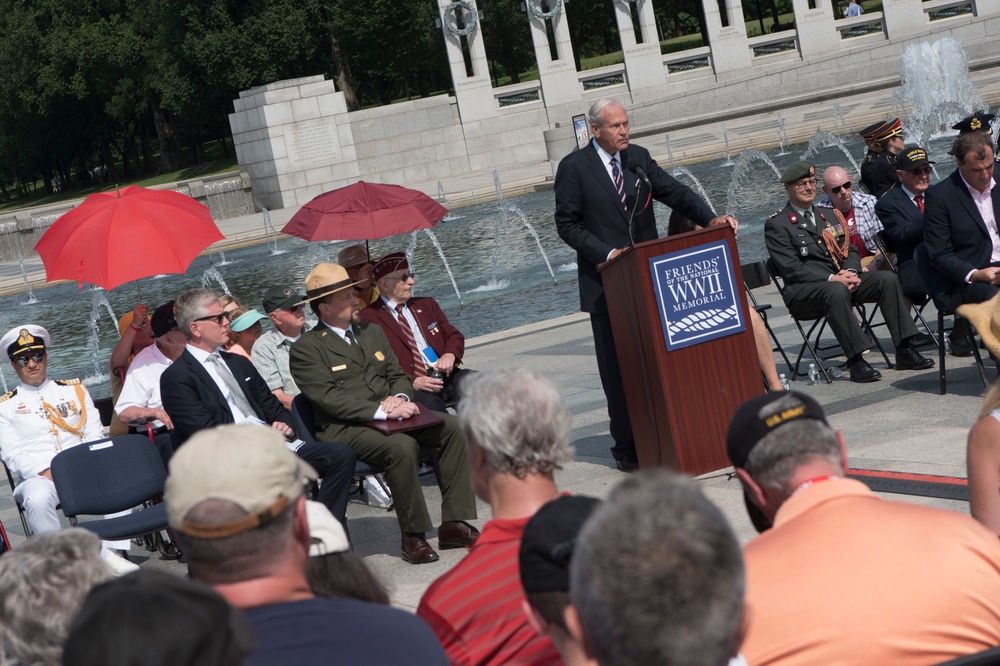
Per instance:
x=865, y=220
x=270, y=357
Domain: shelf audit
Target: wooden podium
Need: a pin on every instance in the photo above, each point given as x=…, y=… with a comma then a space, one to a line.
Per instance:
x=679, y=401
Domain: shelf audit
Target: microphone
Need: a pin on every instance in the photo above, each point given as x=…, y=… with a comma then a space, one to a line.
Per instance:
x=633, y=166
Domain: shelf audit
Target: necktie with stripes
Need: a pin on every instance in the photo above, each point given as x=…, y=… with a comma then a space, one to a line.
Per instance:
x=616, y=176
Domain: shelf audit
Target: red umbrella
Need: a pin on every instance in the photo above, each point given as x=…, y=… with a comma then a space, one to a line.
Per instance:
x=116, y=237
x=365, y=211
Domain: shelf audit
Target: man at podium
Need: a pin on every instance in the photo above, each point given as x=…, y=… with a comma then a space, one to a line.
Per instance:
x=603, y=196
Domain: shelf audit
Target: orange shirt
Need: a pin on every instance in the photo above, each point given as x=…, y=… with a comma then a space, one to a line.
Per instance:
x=845, y=577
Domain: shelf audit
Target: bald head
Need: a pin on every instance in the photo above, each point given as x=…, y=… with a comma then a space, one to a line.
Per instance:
x=838, y=186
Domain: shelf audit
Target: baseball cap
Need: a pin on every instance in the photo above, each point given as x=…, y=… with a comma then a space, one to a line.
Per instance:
x=759, y=416
x=247, y=465
x=548, y=541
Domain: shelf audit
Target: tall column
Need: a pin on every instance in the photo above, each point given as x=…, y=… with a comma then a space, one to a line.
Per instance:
x=730, y=49
x=904, y=18
x=558, y=76
x=474, y=93
x=816, y=31
x=643, y=61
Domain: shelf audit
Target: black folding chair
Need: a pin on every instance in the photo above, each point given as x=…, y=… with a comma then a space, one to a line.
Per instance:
x=108, y=476
x=304, y=423
x=884, y=245
x=20, y=509
x=811, y=338
x=755, y=275
x=923, y=259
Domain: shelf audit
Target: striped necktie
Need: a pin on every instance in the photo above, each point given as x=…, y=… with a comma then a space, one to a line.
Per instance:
x=419, y=367
x=616, y=176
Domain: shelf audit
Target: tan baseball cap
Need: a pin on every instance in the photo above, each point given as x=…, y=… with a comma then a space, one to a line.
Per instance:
x=247, y=465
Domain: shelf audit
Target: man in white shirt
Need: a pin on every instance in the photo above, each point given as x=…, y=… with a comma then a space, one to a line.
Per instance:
x=139, y=402
x=270, y=352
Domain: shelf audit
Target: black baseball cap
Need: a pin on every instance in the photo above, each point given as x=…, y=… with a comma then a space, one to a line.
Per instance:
x=548, y=542
x=164, y=319
x=749, y=424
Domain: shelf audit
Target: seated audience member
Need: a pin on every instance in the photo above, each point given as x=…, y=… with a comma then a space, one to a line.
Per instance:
x=38, y=419
x=517, y=435
x=153, y=618
x=333, y=570
x=657, y=577
x=546, y=551
x=245, y=532
x=140, y=397
x=134, y=335
x=43, y=583
x=858, y=210
x=862, y=580
x=348, y=371
x=762, y=340
x=357, y=263
x=823, y=278
x=244, y=324
x=270, y=353
x=205, y=387
x=983, y=452
x=229, y=306
x=412, y=324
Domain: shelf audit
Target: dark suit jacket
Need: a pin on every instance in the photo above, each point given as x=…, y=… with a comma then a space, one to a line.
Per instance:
x=442, y=337
x=591, y=219
x=194, y=401
x=956, y=236
x=799, y=252
x=904, y=225
x=346, y=389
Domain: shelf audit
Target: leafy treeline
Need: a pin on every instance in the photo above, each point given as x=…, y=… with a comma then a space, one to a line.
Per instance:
x=118, y=89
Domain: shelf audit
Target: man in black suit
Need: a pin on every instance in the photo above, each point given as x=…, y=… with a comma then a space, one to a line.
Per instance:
x=811, y=248
x=602, y=207
x=960, y=229
x=901, y=212
x=206, y=387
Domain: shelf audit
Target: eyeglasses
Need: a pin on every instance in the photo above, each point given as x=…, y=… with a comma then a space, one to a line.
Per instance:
x=37, y=357
x=844, y=186
x=218, y=319
x=804, y=184
x=922, y=171
x=407, y=276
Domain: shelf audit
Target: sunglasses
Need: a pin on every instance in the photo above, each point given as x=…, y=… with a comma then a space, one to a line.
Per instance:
x=843, y=186
x=408, y=276
x=37, y=357
x=218, y=319
x=922, y=171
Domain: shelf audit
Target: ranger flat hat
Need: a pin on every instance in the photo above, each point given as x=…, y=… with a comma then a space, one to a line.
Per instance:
x=325, y=279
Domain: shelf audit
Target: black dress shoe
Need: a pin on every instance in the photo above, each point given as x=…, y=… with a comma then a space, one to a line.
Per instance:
x=627, y=462
x=862, y=373
x=960, y=346
x=910, y=359
x=416, y=550
x=456, y=534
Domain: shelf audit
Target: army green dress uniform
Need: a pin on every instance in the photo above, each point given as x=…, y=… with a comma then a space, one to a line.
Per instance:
x=806, y=265
x=346, y=385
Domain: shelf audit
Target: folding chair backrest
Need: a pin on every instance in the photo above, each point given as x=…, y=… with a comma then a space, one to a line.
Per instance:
x=772, y=270
x=10, y=477
x=883, y=243
x=755, y=274
x=303, y=418
x=926, y=271
x=109, y=475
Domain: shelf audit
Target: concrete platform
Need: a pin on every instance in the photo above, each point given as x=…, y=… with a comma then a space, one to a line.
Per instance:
x=899, y=423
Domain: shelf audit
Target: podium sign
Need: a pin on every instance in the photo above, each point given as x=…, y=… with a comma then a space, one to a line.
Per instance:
x=697, y=295
x=678, y=312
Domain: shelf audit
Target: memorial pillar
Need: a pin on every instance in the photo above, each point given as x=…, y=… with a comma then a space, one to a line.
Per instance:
x=730, y=48
x=643, y=60
x=817, y=32
x=905, y=18
x=473, y=90
x=558, y=75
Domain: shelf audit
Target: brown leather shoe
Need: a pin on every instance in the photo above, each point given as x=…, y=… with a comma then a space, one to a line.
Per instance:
x=416, y=550
x=456, y=534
